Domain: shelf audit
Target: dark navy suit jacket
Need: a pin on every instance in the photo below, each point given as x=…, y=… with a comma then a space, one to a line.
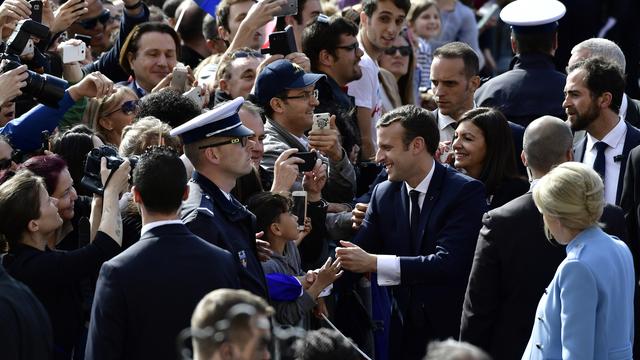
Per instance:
x=435, y=270
x=146, y=295
x=631, y=140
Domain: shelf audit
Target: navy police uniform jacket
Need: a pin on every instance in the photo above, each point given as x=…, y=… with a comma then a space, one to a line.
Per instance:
x=531, y=89
x=227, y=224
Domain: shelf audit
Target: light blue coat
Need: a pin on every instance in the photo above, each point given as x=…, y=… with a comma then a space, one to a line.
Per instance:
x=587, y=310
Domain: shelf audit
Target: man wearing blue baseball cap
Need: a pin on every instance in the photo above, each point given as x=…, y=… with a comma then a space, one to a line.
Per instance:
x=288, y=95
x=218, y=146
x=532, y=87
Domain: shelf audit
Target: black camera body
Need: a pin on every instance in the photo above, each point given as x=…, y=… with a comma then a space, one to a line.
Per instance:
x=46, y=89
x=309, y=160
x=281, y=42
x=92, y=180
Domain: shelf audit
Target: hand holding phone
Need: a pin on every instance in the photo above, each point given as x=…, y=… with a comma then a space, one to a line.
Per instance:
x=300, y=207
x=309, y=160
x=179, y=79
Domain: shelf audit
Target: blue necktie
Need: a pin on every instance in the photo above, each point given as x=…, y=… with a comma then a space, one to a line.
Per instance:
x=599, y=163
x=415, y=217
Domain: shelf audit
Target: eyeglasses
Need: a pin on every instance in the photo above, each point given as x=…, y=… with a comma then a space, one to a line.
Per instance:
x=351, y=47
x=89, y=24
x=241, y=140
x=404, y=50
x=305, y=95
x=127, y=107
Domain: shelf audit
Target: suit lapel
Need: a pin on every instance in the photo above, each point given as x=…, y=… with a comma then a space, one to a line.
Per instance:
x=579, y=148
x=427, y=205
x=402, y=204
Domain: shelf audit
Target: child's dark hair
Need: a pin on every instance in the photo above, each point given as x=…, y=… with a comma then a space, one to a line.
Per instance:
x=267, y=207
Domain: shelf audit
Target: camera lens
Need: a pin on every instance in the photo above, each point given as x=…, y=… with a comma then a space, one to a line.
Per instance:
x=47, y=89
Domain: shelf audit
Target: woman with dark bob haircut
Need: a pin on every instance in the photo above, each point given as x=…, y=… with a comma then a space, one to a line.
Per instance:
x=29, y=217
x=483, y=149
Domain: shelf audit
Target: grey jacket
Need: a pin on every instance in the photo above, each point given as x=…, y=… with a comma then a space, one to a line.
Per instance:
x=289, y=312
x=341, y=183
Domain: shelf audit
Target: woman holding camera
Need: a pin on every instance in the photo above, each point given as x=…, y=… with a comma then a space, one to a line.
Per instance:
x=483, y=149
x=29, y=217
x=587, y=310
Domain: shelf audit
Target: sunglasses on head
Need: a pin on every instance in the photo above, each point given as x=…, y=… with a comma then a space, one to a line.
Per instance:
x=244, y=54
x=404, y=50
x=127, y=107
x=104, y=17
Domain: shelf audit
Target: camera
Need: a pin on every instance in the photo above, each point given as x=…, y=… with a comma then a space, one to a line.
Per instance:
x=91, y=179
x=281, y=42
x=309, y=160
x=46, y=89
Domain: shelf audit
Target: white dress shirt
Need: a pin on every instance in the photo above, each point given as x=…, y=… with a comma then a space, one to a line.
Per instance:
x=623, y=107
x=444, y=125
x=615, y=140
x=389, y=265
x=155, y=224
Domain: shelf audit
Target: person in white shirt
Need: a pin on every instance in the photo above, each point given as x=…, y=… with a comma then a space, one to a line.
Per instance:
x=593, y=95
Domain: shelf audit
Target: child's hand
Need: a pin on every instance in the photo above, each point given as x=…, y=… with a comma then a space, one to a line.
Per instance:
x=328, y=273
x=307, y=229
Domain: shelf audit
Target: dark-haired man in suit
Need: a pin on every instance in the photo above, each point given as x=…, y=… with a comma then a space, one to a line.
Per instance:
x=593, y=95
x=423, y=222
x=146, y=295
x=510, y=272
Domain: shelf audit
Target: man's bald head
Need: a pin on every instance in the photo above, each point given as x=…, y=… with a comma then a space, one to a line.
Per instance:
x=547, y=142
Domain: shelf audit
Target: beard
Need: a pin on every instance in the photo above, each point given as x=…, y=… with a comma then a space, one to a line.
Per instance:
x=582, y=121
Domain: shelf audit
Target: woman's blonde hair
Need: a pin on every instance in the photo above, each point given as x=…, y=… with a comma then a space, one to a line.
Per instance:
x=144, y=133
x=98, y=108
x=572, y=192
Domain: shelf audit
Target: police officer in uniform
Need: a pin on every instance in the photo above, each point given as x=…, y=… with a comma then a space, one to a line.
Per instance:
x=218, y=146
x=532, y=87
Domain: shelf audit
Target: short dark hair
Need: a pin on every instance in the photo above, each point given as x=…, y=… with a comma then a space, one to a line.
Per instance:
x=222, y=12
x=131, y=43
x=73, y=146
x=267, y=207
x=499, y=162
x=460, y=50
x=325, y=36
x=600, y=76
x=325, y=344
x=161, y=179
x=416, y=122
x=191, y=25
x=370, y=6
x=210, y=28
x=541, y=42
x=224, y=69
x=169, y=106
x=170, y=6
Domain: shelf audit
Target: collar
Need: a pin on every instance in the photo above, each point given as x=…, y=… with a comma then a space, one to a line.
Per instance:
x=532, y=61
x=623, y=106
x=444, y=120
x=139, y=89
x=533, y=184
x=423, y=186
x=578, y=242
x=225, y=202
x=156, y=224
x=613, y=138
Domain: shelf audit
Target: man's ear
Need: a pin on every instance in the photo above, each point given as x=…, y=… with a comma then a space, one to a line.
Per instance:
x=605, y=100
x=223, y=85
x=136, y=195
x=523, y=157
x=277, y=105
x=325, y=58
x=475, y=82
x=514, y=45
x=211, y=155
x=363, y=19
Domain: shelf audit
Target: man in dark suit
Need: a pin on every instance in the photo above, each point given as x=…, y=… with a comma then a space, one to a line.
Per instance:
x=514, y=262
x=424, y=223
x=593, y=95
x=146, y=295
x=629, y=108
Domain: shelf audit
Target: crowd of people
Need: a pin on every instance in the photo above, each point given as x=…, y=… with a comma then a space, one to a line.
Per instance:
x=315, y=179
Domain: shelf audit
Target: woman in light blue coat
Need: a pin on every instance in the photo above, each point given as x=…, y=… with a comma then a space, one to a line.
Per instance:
x=587, y=310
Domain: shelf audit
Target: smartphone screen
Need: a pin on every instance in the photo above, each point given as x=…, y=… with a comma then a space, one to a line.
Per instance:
x=300, y=207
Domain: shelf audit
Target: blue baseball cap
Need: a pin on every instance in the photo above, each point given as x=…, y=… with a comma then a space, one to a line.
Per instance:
x=221, y=121
x=282, y=75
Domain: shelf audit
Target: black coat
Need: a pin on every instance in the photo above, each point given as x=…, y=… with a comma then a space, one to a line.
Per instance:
x=146, y=295
x=54, y=277
x=25, y=331
x=513, y=264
